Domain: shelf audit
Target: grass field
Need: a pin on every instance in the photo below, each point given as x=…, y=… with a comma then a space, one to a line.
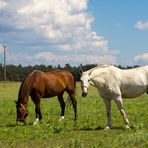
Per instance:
x=88, y=132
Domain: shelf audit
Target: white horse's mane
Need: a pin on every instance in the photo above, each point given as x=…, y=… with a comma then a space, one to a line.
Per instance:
x=100, y=66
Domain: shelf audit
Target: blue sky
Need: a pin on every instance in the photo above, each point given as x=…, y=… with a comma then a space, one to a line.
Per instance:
x=115, y=20
x=56, y=32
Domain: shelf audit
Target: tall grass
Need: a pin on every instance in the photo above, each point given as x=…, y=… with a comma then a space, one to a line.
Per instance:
x=88, y=131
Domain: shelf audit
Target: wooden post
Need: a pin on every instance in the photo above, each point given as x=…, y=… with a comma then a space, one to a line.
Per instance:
x=4, y=63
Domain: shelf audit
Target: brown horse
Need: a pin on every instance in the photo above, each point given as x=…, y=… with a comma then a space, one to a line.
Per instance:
x=45, y=85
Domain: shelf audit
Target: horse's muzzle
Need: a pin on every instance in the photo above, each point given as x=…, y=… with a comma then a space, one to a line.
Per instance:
x=84, y=94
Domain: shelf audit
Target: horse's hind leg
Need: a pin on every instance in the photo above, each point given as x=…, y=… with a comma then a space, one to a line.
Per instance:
x=62, y=103
x=119, y=103
x=74, y=102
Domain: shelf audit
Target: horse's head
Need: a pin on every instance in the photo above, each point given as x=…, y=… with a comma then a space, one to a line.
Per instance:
x=85, y=82
x=22, y=113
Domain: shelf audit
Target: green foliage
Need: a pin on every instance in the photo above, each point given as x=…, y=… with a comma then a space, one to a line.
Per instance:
x=87, y=132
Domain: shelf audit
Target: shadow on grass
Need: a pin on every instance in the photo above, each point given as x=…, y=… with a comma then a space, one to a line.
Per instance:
x=99, y=128
x=88, y=129
x=15, y=125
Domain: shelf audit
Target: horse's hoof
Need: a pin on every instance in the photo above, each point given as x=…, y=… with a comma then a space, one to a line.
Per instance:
x=127, y=127
x=37, y=121
x=61, y=118
x=107, y=128
x=20, y=123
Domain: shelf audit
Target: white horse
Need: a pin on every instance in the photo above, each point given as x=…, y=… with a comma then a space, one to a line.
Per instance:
x=114, y=83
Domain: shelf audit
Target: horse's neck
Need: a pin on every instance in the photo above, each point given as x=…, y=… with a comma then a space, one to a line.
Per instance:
x=23, y=98
x=99, y=76
x=24, y=94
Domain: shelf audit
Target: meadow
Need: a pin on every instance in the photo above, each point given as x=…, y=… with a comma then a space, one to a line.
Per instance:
x=86, y=133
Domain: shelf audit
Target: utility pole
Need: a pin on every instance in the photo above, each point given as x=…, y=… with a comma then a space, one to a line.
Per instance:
x=4, y=63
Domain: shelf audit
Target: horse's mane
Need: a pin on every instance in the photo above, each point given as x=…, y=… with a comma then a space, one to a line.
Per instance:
x=101, y=66
x=19, y=94
x=23, y=81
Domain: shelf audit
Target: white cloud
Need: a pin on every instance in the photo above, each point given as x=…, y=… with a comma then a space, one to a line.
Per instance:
x=3, y=4
x=65, y=25
x=48, y=56
x=142, y=57
x=19, y=58
x=141, y=25
x=1, y=49
x=83, y=59
x=94, y=59
x=61, y=21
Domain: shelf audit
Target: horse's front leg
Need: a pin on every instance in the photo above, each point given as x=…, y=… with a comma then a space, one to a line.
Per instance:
x=107, y=103
x=119, y=103
x=37, y=101
x=38, y=115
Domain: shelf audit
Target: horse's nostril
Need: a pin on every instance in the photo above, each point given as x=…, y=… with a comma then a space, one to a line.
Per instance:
x=84, y=94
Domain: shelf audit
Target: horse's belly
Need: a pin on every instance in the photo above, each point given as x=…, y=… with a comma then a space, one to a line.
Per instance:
x=50, y=94
x=133, y=92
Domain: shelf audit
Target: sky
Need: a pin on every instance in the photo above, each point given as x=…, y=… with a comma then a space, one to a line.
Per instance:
x=53, y=32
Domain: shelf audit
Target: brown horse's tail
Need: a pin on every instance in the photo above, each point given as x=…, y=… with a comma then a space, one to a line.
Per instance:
x=68, y=101
x=75, y=86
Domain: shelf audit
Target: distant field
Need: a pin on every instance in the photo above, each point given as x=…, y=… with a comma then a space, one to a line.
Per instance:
x=88, y=132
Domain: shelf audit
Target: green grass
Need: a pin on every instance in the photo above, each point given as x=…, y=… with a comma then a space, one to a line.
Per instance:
x=88, y=132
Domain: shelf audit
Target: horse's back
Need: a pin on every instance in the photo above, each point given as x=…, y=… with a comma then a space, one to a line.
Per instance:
x=134, y=82
x=135, y=75
x=63, y=75
x=66, y=77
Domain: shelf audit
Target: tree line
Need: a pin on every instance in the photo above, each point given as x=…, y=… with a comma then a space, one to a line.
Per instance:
x=19, y=72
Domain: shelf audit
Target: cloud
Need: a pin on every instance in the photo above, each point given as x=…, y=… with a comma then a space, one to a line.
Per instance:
x=1, y=49
x=142, y=57
x=91, y=59
x=62, y=21
x=59, y=30
x=19, y=58
x=3, y=4
x=141, y=25
x=48, y=58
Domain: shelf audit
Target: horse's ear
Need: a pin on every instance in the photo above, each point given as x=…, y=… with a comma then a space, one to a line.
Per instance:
x=80, y=71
